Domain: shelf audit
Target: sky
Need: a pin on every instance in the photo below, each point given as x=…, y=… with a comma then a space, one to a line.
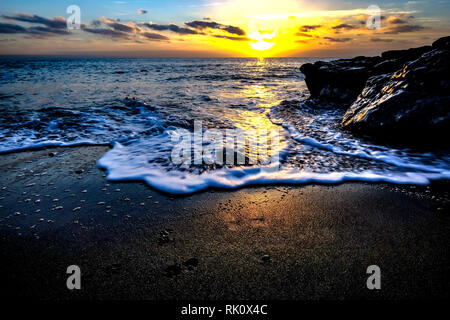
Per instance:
x=220, y=28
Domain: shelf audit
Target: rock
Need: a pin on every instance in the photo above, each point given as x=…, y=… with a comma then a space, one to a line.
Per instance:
x=442, y=43
x=413, y=102
x=341, y=81
x=406, y=55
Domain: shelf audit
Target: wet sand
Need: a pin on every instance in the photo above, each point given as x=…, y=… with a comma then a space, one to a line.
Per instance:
x=274, y=242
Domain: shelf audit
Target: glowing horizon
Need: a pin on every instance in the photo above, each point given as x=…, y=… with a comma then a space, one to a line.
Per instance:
x=234, y=28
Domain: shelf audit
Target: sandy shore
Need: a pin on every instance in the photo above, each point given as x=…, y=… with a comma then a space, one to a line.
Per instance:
x=275, y=242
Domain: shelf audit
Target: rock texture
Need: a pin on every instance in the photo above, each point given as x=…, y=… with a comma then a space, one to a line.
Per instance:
x=341, y=81
x=403, y=93
x=412, y=101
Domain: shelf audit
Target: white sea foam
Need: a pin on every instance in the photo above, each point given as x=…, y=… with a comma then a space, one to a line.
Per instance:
x=121, y=167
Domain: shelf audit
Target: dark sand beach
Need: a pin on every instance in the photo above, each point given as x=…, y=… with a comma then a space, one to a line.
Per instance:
x=271, y=242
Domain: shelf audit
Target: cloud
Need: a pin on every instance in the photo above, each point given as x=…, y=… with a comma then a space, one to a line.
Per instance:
x=402, y=23
x=169, y=27
x=11, y=28
x=141, y=11
x=396, y=20
x=404, y=29
x=308, y=28
x=232, y=38
x=337, y=39
x=344, y=26
x=116, y=26
x=154, y=36
x=44, y=31
x=36, y=31
x=55, y=23
x=200, y=25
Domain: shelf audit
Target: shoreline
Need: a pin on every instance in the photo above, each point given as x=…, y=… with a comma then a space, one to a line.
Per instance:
x=261, y=242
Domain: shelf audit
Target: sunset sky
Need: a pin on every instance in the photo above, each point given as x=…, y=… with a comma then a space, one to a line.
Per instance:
x=218, y=28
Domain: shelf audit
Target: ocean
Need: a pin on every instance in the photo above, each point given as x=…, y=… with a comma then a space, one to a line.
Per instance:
x=144, y=107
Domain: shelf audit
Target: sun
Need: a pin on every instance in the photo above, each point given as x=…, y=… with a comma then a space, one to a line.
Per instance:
x=260, y=38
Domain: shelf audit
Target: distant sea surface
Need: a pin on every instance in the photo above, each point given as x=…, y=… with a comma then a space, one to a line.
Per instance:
x=135, y=105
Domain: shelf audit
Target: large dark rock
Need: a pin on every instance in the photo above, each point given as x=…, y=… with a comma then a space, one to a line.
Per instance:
x=442, y=43
x=338, y=81
x=406, y=55
x=341, y=81
x=413, y=102
x=403, y=94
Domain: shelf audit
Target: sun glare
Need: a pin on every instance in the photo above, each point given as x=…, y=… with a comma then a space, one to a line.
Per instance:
x=260, y=42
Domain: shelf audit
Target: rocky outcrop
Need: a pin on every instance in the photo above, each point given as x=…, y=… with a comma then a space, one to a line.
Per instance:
x=412, y=102
x=341, y=81
x=405, y=94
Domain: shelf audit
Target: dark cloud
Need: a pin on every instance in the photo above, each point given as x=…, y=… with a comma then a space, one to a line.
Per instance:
x=154, y=36
x=396, y=20
x=337, y=39
x=404, y=29
x=55, y=23
x=169, y=27
x=44, y=31
x=11, y=28
x=116, y=26
x=142, y=11
x=381, y=40
x=234, y=30
x=232, y=38
x=344, y=26
x=37, y=31
x=308, y=28
x=200, y=25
